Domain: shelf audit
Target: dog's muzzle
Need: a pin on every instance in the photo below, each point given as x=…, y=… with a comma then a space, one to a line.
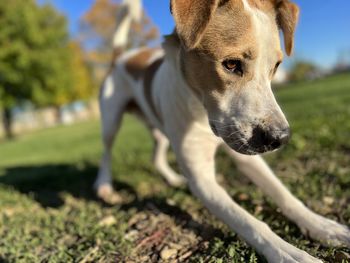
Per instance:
x=267, y=140
x=262, y=139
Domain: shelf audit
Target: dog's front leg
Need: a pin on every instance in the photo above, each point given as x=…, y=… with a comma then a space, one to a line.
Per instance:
x=316, y=226
x=196, y=158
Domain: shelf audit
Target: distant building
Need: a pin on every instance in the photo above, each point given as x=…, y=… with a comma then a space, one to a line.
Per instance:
x=28, y=118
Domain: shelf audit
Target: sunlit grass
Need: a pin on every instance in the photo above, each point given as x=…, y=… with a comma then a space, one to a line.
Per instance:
x=48, y=211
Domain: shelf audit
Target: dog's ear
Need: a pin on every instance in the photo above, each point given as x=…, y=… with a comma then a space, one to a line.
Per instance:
x=287, y=19
x=191, y=19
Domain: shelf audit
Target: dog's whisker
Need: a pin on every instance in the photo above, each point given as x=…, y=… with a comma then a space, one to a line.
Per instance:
x=214, y=120
x=233, y=133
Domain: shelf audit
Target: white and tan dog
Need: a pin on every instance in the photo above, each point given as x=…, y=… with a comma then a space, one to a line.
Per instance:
x=210, y=87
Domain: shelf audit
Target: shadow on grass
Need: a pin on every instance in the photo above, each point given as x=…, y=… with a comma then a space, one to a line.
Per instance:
x=45, y=183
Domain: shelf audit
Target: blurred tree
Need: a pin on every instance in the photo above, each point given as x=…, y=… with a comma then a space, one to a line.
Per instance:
x=97, y=27
x=77, y=85
x=35, y=63
x=82, y=87
x=302, y=70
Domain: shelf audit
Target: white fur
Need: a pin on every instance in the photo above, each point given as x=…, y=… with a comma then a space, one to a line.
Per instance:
x=261, y=102
x=160, y=159
x=135, y=7
x=185, y=126
x=130, y=10
x=120, y=38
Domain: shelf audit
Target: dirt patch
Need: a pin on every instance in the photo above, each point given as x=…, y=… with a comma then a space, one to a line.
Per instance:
x=157, y=237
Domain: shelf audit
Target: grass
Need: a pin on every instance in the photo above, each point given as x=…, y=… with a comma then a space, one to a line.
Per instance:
x=48, y=211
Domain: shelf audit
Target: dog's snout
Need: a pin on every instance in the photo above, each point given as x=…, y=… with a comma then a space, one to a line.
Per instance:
x=270, y=139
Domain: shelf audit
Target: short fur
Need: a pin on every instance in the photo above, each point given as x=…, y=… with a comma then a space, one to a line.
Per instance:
x=196, y=103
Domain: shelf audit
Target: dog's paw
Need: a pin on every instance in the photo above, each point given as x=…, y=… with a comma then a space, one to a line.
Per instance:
x=286, y=257
x=327, y=231
x=287, y=253
x=107, y=194
x=175, y=180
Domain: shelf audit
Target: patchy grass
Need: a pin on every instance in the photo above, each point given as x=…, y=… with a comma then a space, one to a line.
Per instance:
x=48, y=212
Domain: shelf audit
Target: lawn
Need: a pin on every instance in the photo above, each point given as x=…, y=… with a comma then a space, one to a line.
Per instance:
x=48, y=211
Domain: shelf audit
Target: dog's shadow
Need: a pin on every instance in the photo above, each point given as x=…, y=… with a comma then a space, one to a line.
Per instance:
x=46, y=183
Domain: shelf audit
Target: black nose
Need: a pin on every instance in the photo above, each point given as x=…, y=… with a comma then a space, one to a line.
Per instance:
x=272, y=139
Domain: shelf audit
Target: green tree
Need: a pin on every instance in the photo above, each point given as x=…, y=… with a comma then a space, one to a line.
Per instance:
x=302, y=70
x=82, y=86
x=35, y=58
x=76, y=85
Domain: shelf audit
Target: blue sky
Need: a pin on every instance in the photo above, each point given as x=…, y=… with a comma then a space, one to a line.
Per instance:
x=323, y=32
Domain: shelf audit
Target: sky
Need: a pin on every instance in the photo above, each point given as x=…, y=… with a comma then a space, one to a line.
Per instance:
x=322, y=34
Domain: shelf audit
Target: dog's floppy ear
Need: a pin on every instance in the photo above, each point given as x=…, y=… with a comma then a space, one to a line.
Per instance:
x=191, y=18
x=287, y=19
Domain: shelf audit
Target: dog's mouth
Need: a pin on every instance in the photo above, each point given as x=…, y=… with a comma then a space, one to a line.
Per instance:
x=260, y=141
x=241, y=145
x=234, y=139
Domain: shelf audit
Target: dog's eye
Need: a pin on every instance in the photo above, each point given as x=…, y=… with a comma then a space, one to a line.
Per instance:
x=276, y=66
x=234, y=66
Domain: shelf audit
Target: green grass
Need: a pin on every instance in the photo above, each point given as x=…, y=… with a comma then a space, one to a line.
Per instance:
x=48, y=211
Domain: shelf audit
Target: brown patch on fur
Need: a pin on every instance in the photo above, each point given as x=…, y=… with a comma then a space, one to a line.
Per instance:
x=230, y=28
x=287, y=18
x=137, y=64
x=228, y=35
x=147, y=82
x=267, y=6
x=192, y=18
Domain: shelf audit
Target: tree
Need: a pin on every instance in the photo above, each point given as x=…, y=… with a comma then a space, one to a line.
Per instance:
x=97, y=27
x=36, y=62
x=77, y=85
x=302, y=70
x=82, y=86
x=32, y=54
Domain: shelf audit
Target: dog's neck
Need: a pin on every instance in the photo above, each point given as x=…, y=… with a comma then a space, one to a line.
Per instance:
x=186, y=100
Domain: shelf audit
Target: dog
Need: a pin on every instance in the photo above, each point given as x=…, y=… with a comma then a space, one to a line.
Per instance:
x=209, y=87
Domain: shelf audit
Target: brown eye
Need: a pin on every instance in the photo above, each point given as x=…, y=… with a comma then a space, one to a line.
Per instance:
x=276, y=66
x=234, y=66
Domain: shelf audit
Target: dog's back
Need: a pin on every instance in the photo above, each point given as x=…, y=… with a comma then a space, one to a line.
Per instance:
x=126, y=86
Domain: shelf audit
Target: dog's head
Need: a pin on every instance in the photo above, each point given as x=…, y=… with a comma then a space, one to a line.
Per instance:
x=230, y=52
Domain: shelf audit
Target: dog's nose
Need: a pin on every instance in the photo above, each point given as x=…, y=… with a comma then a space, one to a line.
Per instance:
x=284, y=136
x=271, y=139
x=278, y=138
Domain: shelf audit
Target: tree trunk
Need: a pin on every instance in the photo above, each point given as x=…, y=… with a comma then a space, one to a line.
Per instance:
x=7, y=122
